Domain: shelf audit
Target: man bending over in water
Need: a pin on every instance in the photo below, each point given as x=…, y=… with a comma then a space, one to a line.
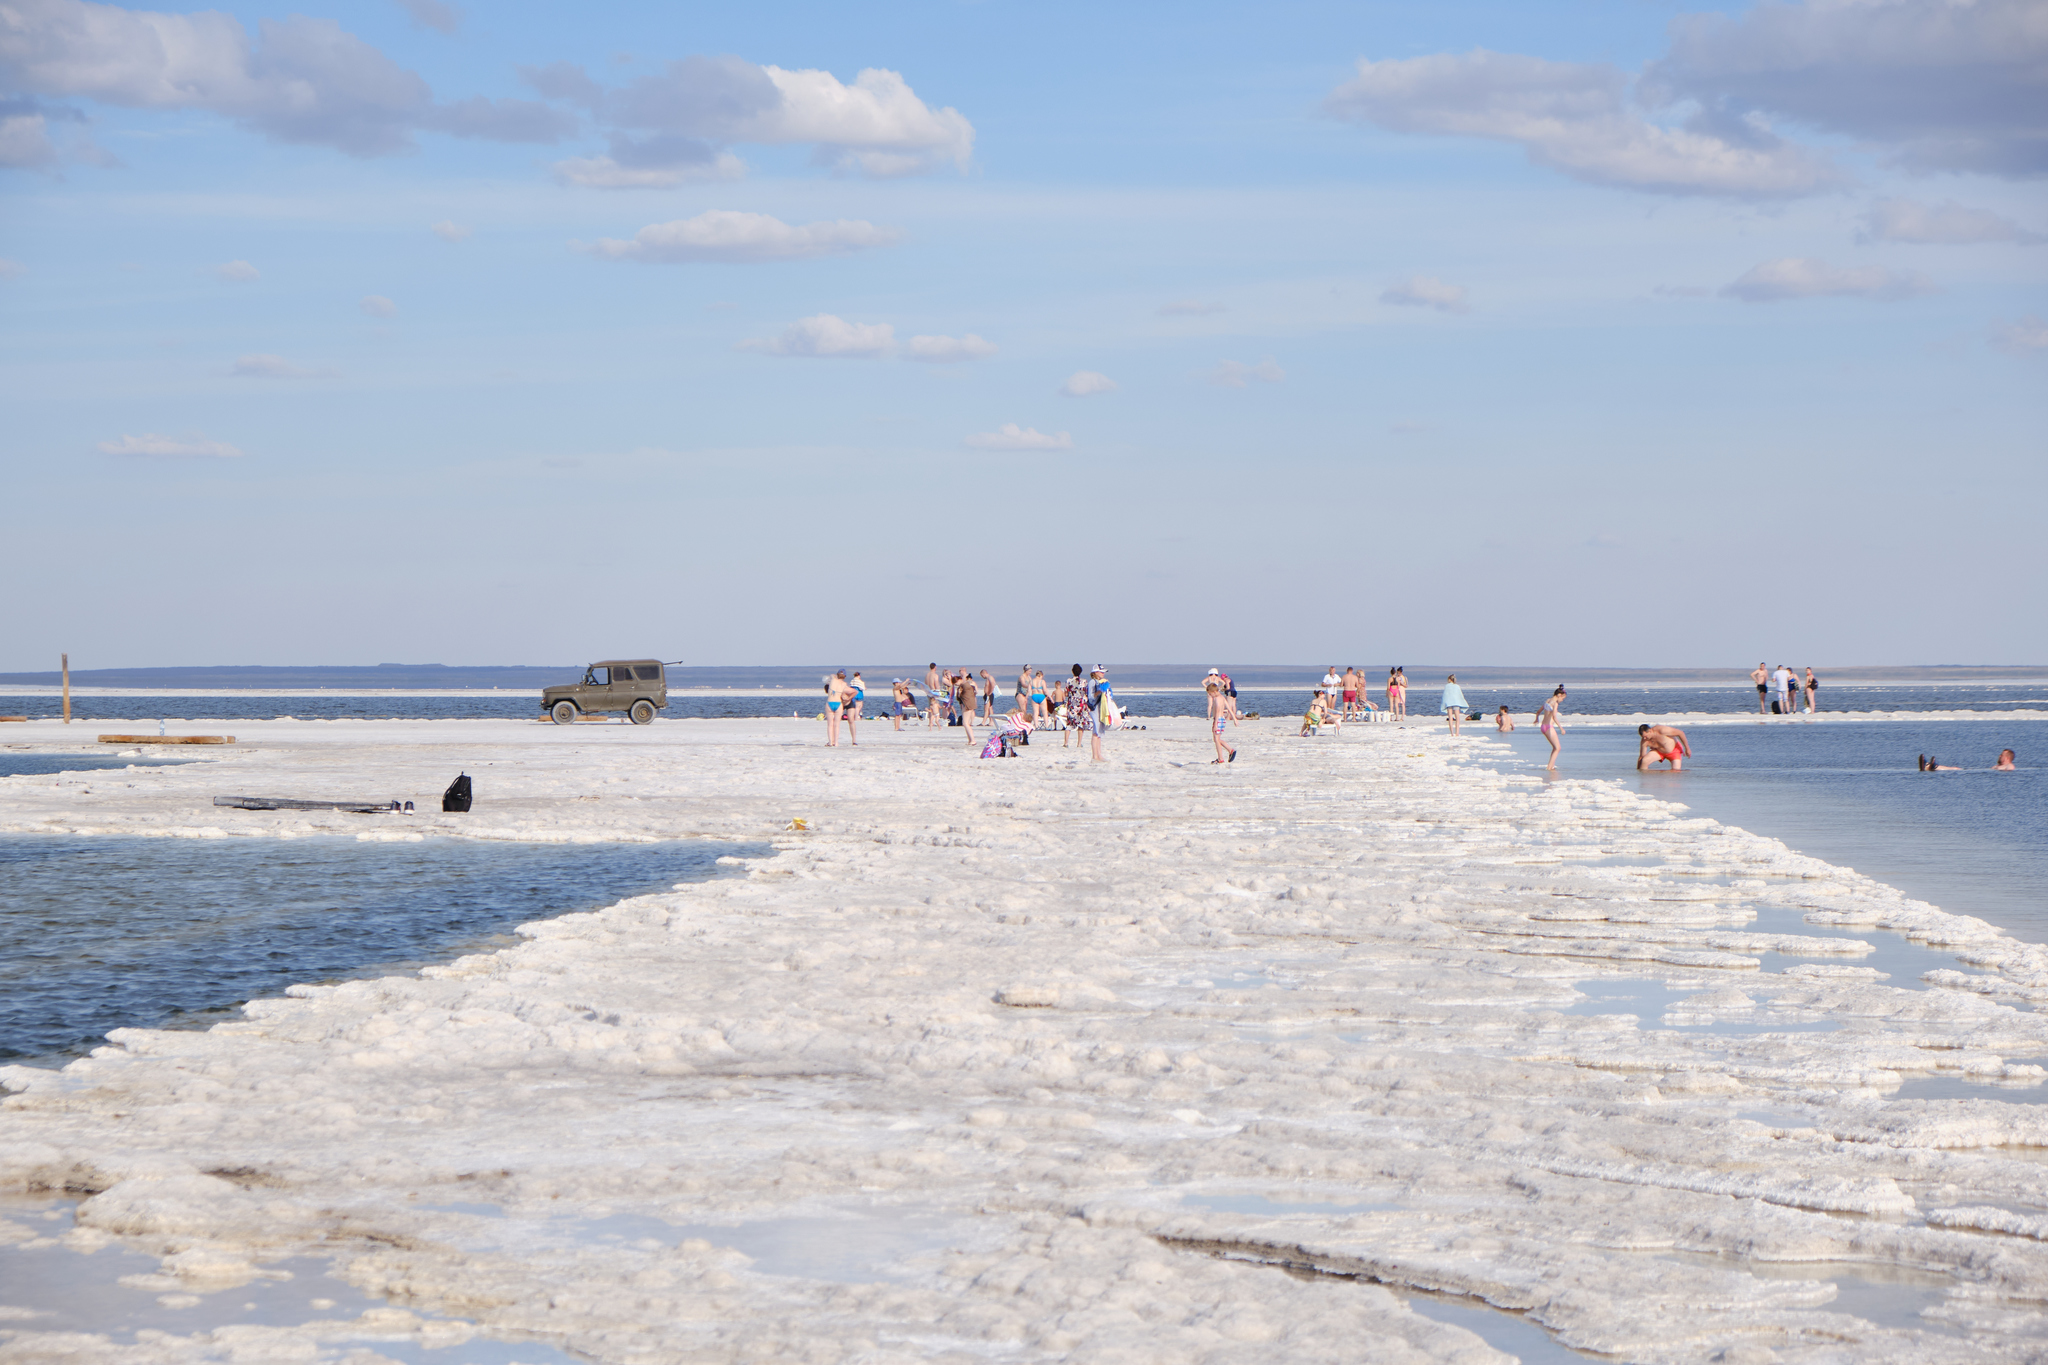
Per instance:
x=1661, y=744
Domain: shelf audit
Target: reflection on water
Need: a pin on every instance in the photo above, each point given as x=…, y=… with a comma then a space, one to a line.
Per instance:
x=101, y=933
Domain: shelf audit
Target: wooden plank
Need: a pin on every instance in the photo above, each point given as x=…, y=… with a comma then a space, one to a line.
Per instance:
x=19, y=718
x=167, y=739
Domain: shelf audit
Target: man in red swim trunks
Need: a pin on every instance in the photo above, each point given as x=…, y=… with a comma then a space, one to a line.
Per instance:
x=1661, y=744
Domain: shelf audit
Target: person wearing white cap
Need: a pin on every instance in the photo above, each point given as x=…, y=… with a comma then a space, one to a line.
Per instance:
x=1102, y=712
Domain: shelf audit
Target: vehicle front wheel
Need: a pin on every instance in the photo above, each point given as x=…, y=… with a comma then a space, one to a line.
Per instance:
x=565, y=713
x=642, y=712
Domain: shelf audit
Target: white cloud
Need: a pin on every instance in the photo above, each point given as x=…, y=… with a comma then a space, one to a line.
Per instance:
x=1426, y=291
x=433, y=14
x=1082, y=383
x=729, y=236
x=948, y=350
x=150, y=443
x=12, y=270
x=1907, y=220
x=236, y=272
x=1799, y=277
x=1947, y=85
x=2028, y=334
x=1010, y=436
x=299, y=80
x=448, y=230
x=257, y=366
x=377, y=306
x=1188, y=308
x=682, y=115
x=603, y=173
x=1232, y=374
x=825, y=337
x=1576, y=118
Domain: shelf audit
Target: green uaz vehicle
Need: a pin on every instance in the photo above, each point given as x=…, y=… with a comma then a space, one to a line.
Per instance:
x=639, y=687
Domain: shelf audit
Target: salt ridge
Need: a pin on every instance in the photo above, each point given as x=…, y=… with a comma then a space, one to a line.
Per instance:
x=1037, y=1005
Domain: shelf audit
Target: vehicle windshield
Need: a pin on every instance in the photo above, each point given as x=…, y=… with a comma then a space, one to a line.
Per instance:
x=596, y=677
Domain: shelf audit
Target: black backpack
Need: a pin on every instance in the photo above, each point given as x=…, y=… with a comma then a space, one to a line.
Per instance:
x=457, y=795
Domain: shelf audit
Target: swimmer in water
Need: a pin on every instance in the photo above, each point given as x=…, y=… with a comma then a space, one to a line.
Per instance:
x=1930, y=764
x=1502, y=721
x=2006, y=762
x=1661, y=744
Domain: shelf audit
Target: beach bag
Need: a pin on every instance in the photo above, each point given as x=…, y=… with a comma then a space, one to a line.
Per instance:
x=456, y=798
x=1110, y=716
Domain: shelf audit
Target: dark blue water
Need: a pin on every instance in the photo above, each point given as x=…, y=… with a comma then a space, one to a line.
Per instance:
x=1738, y=698
x=1972, y=842
x=103, y=933
x=42, y=765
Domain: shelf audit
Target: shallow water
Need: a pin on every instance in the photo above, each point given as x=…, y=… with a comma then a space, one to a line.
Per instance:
x=103, y=932
x=1972, y=843
x=72, y=1291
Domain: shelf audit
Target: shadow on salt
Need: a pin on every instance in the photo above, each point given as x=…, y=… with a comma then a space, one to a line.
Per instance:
x=1259, y=1206
x=62, y=1290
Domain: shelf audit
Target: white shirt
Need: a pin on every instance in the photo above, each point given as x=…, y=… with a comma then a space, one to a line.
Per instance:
x=1783, y=677
x=1332, y=680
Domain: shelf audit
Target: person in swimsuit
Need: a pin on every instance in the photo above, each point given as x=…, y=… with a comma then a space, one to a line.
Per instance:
x=1661, y=744
x=1812, y=687
x=1761, y=676
x=1550, y=720
x=2008, y=762
x=1931, y=764
x=1397, y=693
x=1502, y=721
x=837, y=694
x=1351, y=681
x=1219, y=716
x=964, y=702
x=1038, y=695
x=855, y=697
x=900, y=700
x=934, y=690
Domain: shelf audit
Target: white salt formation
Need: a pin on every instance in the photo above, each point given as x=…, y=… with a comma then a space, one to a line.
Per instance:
x=1033, y=1060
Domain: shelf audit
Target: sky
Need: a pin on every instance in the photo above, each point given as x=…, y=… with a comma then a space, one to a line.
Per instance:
x=1614, y=333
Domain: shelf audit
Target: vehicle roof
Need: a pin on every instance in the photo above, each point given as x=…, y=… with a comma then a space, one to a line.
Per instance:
x=608, y=663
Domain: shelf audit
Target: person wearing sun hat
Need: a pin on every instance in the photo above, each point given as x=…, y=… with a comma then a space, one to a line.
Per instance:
x=1101, y=707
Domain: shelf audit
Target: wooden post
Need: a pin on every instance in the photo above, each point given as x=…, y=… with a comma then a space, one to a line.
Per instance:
x=67, y=687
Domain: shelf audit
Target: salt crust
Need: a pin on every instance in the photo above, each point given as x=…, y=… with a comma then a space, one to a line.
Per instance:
x=1047, y=1002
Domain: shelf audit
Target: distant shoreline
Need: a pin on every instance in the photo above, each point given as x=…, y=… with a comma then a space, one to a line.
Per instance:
x=1305, y=684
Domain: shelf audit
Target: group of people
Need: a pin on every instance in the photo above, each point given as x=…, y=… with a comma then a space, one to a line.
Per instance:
x=1081, y=703
x=1357, y=702
x=1787, y=686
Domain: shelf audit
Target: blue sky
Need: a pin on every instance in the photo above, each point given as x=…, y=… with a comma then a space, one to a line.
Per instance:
x=1605, y=333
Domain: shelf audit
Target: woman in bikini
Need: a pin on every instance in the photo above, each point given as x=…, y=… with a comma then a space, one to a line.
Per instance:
x=1550, y=720
x=836, y=693
x=1812, y=687
x=1038, y=711
x=1397, y=693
